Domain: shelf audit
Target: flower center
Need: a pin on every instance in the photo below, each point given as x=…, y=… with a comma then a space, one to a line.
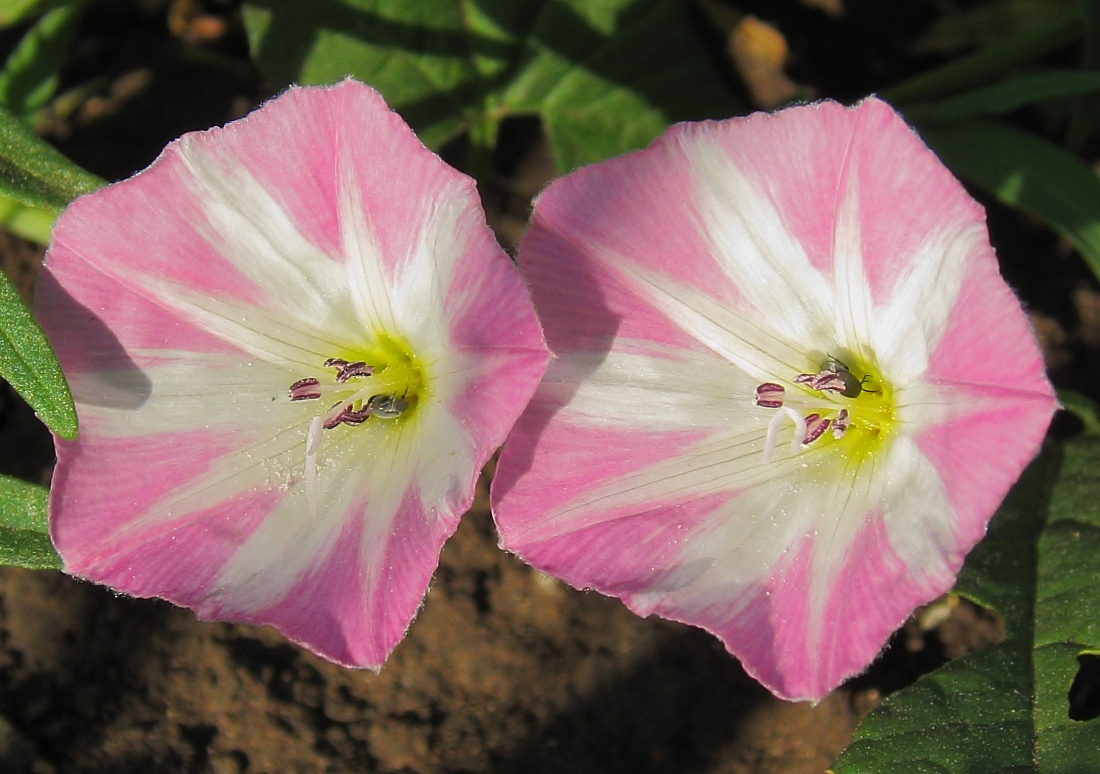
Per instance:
x=847, y=407
x=384, y=382
x=381, y=383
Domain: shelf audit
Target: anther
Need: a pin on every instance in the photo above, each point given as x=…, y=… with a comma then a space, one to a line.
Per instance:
x=840, y=424
x=769, y=395
x=305, y=389
x=815, y=426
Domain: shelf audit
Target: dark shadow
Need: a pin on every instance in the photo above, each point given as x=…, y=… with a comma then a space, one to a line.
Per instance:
x=112, y=379
x=673, y=711
x=1084, y=693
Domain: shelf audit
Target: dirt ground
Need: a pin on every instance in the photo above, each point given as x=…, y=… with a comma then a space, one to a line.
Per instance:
x=504, y=670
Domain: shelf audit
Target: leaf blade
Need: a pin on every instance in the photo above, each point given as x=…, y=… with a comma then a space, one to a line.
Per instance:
x=29, y=365
x=1025, y=171
x=24, y=526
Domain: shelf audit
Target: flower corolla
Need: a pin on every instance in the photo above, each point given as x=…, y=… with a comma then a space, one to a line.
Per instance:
x=293, y=342
x=789, y=386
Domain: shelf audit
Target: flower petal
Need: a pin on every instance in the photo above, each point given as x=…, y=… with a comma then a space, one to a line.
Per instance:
x=183, y=305
x=766, y=246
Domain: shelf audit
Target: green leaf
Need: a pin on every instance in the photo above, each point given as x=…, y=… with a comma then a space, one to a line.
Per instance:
x=988, y=64
x=14, y=11
x=24, y=528
x=30, y=76
x=606, y=76
x=1007, y=96
x=1081, y=407
x=30, y=366
x=33, y=173
x=1028, y=172
x=1007, y=708
x=30, y=223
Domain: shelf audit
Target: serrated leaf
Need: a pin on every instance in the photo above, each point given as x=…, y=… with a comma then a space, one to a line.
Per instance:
x=1025, y=171
x=29, y=365
x=24, y=526
x=30, y=75
x=33, y=173
x=605, y=75
x=1007, y=96
x=1006, y=708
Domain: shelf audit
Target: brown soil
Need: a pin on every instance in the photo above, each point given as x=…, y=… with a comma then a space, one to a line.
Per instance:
x=504, y=670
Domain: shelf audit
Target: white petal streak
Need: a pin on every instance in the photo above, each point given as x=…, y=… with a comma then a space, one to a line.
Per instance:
x=853, y=293
x=358, y=473
x=729, y=463
x=258, y=332
x=178, y=392
x=918, y=516
x=365, y=270
x=419, y=294
x=766, y=263
x=251, y=230
x=908, y=329
x=744, y=340
x=662, y=390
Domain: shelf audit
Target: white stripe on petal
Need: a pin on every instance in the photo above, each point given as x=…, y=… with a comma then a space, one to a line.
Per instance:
x=908, y=328
x=170, y=391
x=853, y=294
x=269, y=336
x=419, y=294
x=752, y=244
x=365, y=271
x=729, y=463
x=251, y=230
x=746, y=341
x=651, y=388
x=918, y=524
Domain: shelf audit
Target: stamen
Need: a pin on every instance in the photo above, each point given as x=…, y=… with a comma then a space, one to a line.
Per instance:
x=815, y=426
x=840, y=424
x=769, y=395
x=343, y=413
x=305, y=389
x=348, y=370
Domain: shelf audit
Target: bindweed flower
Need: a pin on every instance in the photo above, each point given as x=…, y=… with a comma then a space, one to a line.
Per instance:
x=789, y=388
x=293, y=342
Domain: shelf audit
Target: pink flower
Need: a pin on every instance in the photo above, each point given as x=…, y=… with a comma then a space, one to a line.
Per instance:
x=789, y=389
x=293, y=342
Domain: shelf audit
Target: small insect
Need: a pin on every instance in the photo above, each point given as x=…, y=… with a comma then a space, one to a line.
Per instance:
x=853, y=387
x=836, y=377
x=387, y=406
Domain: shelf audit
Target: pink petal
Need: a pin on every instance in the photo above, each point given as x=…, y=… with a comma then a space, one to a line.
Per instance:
x=770, y=242
x=183, y=304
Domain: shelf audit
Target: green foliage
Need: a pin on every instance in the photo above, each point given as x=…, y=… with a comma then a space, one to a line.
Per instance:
x=606, y=76
x=30, y=366
x=33, y=173
x=1007, y=708
x=1007, y=96
x=1026, y=171
x=30, y=76
x=15, y=11
x=24, y=533
x=33, y=223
